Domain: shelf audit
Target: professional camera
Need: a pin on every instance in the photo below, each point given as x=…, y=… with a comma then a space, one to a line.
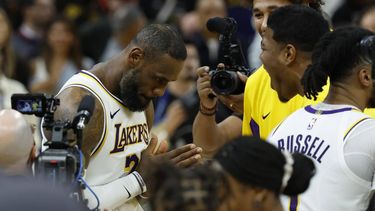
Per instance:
x=226, y=81
x=61, y=163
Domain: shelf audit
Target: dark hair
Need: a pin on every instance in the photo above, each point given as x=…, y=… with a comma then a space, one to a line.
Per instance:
x=159, y=39
x=315, y=4
x=200, y=188
x=298, y=25
x=255, y=162
x=335, y=56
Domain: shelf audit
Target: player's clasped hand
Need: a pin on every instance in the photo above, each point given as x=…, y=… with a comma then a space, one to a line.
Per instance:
x=185, y=156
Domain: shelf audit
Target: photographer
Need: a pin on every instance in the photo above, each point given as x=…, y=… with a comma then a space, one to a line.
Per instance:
x=261, y=107
x=17, y=147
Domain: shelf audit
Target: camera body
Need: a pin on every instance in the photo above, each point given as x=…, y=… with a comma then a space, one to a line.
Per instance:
x=226, y=81
x=60, y=162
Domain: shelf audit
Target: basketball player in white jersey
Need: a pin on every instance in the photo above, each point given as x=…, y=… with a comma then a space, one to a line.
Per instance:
x=117, y=135
x=335, y=133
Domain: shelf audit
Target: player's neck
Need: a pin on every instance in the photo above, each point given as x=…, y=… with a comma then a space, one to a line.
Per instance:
x=109, y=75
x=341, y=94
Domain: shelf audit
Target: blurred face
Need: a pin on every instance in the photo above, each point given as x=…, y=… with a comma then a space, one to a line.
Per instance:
x=368, y=21
x=4, y=30
x=210, y=8
x=126, y=35
x=190, y=65
x=262, y=10
x=60, y=38
x=149, y=80
x=43, y=11
x=243, y=198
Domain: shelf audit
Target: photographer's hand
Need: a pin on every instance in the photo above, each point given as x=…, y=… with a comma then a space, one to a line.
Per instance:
x=234, y=102
x=204, y=88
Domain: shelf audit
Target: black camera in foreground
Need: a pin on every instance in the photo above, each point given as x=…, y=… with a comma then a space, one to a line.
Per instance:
x=62, y=162
x=226, y=81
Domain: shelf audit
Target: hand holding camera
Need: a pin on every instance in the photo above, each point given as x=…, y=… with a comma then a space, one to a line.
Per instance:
x=205, y=92
x=234, y=102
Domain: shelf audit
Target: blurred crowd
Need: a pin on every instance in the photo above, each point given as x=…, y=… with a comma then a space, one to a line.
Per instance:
x=45, y=42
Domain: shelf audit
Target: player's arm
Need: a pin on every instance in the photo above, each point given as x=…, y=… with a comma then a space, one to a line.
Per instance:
x=117, y=192
x=111, y=194
x=69, y=102
x=211, y=136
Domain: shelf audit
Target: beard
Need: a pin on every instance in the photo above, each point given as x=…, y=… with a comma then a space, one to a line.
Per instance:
x=129, y=92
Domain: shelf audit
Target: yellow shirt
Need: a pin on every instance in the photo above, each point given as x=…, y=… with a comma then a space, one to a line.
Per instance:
x=263, y=110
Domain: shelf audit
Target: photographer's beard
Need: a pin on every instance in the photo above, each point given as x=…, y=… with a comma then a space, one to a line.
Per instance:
x=129, y=92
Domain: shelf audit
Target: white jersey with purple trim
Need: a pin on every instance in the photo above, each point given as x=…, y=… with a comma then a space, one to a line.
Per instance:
x=322, y=133
x=124, y=137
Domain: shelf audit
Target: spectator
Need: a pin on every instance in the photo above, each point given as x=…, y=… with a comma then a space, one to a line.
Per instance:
x=126, y=22
x=36, y=16
x=11, y=66
x=61, y=59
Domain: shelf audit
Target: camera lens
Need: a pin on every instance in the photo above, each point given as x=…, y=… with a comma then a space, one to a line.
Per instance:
x=224, y=82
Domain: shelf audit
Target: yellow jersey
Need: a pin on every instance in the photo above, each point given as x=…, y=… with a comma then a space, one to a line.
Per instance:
x=263, y=110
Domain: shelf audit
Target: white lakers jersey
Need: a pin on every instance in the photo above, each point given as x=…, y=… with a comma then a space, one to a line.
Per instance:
x=322, y=134
x=124, y=137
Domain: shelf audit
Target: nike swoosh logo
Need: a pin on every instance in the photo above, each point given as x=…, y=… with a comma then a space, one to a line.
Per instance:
x=265, y=116
x=127, y=191
x=113, y=115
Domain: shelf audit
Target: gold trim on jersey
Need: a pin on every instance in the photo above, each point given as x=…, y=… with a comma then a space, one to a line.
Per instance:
x=353, y=126
x=101, y=142
x=94, y=78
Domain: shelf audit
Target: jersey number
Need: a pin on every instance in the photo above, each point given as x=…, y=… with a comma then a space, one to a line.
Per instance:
x=131, y=163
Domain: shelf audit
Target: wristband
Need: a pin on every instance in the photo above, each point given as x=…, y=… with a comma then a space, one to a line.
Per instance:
x=207, y=111
x=140, y=181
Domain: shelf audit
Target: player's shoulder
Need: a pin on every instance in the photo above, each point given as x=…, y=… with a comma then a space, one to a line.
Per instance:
x=258, y=74
x=259, y=81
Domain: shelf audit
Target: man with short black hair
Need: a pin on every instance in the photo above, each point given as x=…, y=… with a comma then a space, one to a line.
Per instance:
x=117, y=137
